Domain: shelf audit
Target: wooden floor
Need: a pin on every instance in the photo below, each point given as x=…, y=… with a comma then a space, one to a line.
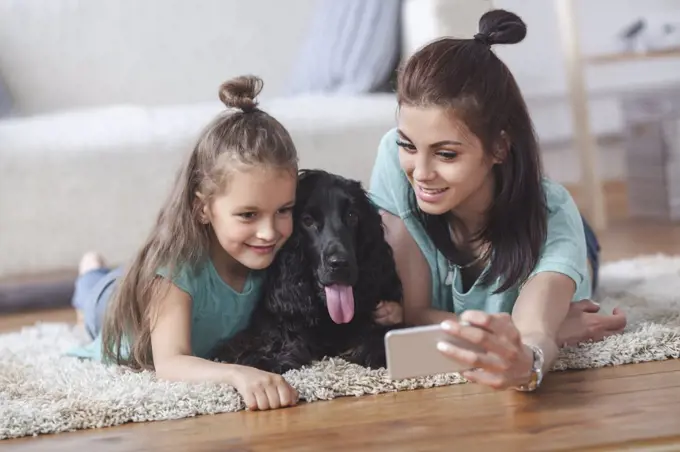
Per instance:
x=632, y=407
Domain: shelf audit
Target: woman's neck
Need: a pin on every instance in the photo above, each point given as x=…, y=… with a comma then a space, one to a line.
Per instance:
x=472, y=213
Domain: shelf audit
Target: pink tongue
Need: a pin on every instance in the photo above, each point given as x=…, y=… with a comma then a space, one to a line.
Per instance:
x=340, y=302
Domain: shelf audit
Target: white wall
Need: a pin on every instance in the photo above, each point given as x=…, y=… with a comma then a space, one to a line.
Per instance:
x=538, y=64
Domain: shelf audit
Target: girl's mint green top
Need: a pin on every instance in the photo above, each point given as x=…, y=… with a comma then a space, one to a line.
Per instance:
x=564, y=250
x=217, y=312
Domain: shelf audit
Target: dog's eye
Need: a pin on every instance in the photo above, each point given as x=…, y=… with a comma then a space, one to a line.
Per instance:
x=307, y=220
x=352, y=217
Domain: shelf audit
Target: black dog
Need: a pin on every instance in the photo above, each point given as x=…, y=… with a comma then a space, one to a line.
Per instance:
x=324, y=285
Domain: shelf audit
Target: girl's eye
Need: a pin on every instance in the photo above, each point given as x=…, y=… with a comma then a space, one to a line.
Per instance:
x=406, y=146
x=286, y=211
x=247, y=215
x=447, y=155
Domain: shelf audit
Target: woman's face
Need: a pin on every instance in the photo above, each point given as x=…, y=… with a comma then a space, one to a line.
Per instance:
x=444, y=162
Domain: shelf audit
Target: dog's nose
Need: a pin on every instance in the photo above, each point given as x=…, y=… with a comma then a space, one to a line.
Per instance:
x=337, y=262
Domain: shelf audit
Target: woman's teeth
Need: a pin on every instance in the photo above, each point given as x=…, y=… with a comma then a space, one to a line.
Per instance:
x=432, y=191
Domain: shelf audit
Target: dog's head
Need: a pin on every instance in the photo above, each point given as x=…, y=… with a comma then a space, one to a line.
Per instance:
x=336, y=223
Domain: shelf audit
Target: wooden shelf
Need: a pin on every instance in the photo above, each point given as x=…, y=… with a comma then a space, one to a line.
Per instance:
x=629, y=57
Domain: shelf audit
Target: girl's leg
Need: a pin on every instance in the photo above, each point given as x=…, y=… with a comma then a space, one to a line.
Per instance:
x=90, y=271
x=593, y=246
x=93, y=288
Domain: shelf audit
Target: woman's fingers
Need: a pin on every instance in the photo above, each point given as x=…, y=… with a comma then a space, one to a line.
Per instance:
x=617, y=321
x=471, y=358
x=495, y=381
x=483, y=339
x=585, y=305
x=500, y=324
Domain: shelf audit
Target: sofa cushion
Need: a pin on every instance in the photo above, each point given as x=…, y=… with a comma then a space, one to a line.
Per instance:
x=352, y=48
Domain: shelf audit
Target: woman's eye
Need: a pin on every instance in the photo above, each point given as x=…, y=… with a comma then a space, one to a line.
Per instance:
x=447, y=155
x=247, y=215
x=405, y=145
x=286, y=211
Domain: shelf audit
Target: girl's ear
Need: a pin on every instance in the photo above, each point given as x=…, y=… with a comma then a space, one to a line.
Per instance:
x=502, y=148
x=201, y=208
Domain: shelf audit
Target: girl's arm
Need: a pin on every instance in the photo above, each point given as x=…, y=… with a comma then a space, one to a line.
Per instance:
x=173, y=361
x=414, y=273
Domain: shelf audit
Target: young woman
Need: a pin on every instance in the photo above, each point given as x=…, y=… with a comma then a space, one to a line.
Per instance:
x=484, y=243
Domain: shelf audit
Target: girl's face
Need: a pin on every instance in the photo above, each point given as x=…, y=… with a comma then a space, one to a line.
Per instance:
x=444, y=162
x=253, y=218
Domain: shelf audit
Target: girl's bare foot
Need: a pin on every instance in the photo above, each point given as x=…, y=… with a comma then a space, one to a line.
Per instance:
x=90, y=261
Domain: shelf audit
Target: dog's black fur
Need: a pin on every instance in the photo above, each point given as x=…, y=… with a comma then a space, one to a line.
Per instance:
x=337, y=238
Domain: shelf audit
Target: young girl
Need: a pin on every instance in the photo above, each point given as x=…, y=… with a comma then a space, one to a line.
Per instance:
x=199, y=274
x=477, y=230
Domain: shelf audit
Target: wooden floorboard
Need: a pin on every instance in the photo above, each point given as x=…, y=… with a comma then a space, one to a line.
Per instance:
x=631, y=407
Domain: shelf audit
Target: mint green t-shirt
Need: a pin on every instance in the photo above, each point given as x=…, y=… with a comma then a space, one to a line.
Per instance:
x=564, y=250
x=217, y=311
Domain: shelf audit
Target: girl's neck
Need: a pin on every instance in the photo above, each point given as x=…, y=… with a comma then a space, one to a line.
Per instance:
x=229, y=269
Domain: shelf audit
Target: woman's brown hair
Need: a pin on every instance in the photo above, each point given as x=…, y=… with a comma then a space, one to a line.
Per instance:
x=465, y=75
x=243, y=134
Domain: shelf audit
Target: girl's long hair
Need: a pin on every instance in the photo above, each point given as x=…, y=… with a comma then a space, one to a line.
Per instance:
x=243, y=134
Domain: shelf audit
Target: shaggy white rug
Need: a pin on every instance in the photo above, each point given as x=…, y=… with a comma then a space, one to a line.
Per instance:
x=43, y=392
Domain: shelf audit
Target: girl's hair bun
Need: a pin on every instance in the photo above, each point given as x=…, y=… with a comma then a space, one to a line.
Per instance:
x=499, y=26
x=240, y=92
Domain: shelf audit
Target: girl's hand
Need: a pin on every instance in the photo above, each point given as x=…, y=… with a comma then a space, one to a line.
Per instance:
x=584, y=322
x=263, y=390
x=505, y=362
x=389, y=313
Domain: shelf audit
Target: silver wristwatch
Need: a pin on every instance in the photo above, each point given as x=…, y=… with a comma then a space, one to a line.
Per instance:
x=536, y=371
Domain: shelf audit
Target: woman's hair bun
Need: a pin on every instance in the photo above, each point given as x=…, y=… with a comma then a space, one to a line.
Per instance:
x=499, y=26
x=240, y=92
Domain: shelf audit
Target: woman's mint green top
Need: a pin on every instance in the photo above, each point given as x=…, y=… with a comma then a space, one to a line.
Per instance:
x=564, y=250
x=217, y=311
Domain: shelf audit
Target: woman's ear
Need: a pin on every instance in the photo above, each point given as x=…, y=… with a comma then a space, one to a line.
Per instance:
x=201, y=208
x=501, y=148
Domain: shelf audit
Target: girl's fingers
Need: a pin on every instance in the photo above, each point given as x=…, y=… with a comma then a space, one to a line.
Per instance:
x=273, y=396
x=473, y=359
x=262, y=399
x=287, y=395
x=249, y=400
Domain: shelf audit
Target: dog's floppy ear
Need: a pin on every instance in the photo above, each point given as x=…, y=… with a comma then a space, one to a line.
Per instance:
x=289, y=287
x=373, y=252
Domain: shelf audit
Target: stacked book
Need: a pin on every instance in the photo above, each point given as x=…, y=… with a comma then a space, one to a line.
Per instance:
x=652, y=142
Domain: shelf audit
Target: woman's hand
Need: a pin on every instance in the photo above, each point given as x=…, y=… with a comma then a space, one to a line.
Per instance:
x=585, y=323
x=263, y=390
x=389, y=313
x=504, y=361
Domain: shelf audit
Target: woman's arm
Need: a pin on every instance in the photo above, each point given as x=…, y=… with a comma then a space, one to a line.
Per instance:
x=414, y=273
x=173, y=361
x=540, y=310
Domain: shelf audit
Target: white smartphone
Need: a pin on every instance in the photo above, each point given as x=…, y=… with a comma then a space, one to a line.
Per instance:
x=412, y=352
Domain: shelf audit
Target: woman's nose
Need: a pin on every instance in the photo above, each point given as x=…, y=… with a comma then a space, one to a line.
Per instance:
x=422, y=170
